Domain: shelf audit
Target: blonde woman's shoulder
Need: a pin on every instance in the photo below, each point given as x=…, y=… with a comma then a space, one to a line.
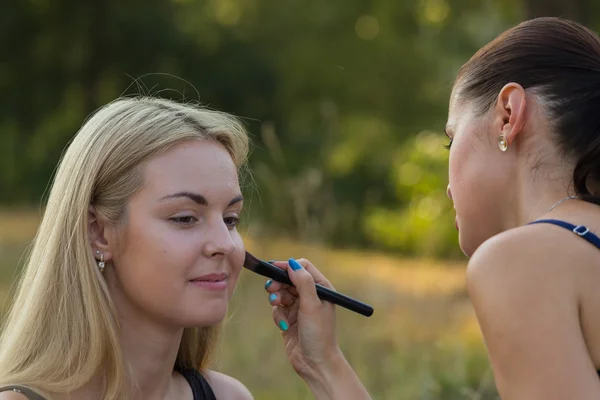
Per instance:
x=12, y=395
x=226, y=387
x=19, y=392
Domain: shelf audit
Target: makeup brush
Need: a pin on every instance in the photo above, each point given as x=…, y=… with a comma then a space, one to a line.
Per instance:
x=270, y=271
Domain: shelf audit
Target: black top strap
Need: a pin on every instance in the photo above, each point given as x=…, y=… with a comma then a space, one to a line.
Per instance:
x=579, y=230
x=30, y=394
x=200, y=386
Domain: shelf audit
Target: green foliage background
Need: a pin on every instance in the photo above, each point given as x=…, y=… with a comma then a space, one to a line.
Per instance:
x=344, y=99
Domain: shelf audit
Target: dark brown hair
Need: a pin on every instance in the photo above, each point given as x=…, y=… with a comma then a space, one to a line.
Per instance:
x=561, y=60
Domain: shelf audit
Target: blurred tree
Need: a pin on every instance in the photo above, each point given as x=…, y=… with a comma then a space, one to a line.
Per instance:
x=335, y=95
x=574, y=9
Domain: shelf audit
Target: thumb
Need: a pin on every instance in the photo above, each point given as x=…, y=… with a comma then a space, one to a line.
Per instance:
x=304, y=283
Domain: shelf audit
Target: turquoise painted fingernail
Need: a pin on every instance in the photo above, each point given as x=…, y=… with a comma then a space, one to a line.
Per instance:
x=283, y=325
x=294, y=264
x=272, y=297
x=269, y=282
x=271, y=261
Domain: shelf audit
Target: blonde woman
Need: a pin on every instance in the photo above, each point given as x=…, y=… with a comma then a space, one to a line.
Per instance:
x=134, y=262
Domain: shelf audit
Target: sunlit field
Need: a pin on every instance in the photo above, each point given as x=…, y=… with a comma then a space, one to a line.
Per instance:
x=421, y=343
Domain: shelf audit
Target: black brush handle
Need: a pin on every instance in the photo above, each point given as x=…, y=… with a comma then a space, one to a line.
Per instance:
x=324, y=293
x=342, y=300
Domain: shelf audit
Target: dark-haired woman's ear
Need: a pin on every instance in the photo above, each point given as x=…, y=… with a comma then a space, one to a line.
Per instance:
x=510, y=112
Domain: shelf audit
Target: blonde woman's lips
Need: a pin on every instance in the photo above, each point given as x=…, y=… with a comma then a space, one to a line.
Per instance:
x=214, y=281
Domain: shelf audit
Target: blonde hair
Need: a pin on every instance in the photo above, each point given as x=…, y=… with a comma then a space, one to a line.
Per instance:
x=62, y=329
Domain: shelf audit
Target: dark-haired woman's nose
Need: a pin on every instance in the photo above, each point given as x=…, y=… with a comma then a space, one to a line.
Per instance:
x=449, y=192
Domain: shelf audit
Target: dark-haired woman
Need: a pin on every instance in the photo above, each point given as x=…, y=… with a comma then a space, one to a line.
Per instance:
x=524, y=171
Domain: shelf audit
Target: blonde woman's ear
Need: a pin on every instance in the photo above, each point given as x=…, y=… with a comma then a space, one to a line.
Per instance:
x=97, y=230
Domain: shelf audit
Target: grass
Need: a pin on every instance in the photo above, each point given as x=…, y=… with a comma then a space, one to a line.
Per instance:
x=422, y=342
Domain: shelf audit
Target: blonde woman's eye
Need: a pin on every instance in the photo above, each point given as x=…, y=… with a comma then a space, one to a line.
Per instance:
x=184, y=220
x=231, y=221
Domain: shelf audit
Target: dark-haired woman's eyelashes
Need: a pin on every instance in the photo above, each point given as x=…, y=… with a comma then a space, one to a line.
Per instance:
x=447, y=146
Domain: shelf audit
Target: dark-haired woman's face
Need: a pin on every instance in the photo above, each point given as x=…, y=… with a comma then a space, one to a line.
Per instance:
x=479, y=175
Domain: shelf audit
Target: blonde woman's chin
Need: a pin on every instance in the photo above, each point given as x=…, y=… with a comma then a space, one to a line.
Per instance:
x=204, y=315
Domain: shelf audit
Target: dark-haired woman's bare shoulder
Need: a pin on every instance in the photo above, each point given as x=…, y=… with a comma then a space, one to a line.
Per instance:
x=226, y=387
x=525, y=290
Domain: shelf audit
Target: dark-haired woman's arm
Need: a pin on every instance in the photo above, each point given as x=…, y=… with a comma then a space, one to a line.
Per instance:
x=336, y=380
x=308, y=329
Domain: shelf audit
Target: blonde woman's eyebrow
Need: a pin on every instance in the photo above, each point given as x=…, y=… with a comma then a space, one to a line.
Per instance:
x=198, y=198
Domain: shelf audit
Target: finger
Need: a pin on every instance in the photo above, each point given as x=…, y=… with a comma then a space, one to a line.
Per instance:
x=282, y=298
x=272, y=286
x=316, y=274
x=280, y=319
x=291, y=313
x=308, y=266
x=305, y=284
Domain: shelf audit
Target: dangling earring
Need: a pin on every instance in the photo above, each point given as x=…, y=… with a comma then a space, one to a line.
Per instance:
x=502, y=143
x=101, y=262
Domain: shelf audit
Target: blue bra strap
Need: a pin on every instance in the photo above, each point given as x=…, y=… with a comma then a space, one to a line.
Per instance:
x=580, y=230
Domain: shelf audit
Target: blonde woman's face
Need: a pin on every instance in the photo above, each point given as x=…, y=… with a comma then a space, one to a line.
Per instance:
x=178, y=256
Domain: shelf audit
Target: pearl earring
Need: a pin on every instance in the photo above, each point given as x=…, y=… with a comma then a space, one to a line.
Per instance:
x=101, y=262
x=502, y=143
